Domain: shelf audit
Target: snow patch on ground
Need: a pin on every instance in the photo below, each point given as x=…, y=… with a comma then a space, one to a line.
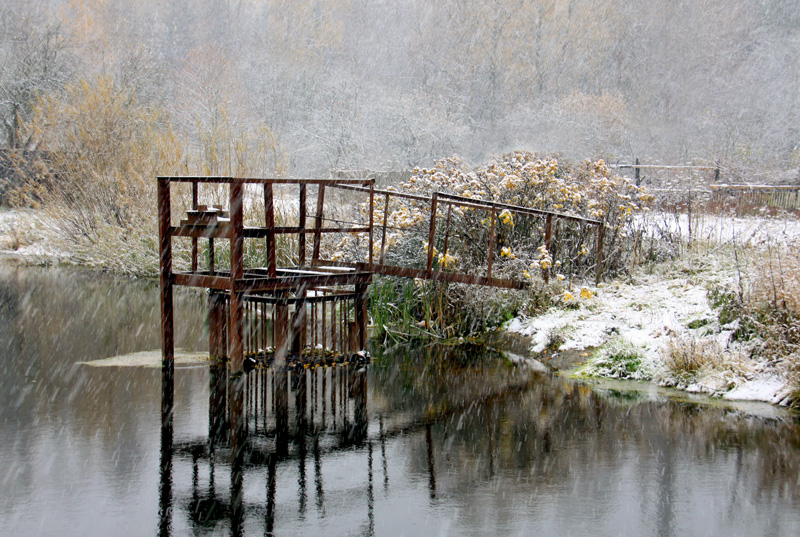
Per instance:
x=648, y=312
x=767, y=387
x=27, y=236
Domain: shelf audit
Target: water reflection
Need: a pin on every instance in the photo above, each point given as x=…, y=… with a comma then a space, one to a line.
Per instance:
x=328, y=413
x=495, y=450
x=427, y=440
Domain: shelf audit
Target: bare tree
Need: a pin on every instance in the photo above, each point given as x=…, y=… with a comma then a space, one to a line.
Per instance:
x=33, y=62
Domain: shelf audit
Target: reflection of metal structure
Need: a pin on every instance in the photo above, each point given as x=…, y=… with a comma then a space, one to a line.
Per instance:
x=299, y=424
x=285, y=414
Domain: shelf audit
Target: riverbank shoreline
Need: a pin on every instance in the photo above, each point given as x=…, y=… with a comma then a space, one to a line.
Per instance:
x=649, y=309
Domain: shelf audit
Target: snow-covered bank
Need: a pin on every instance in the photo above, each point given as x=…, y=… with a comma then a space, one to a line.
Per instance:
x=26, y=237
x=649, y=313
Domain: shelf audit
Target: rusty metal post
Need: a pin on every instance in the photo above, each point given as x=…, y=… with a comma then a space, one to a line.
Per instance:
x=600, y=234
x=318, y=223
x=548, y=239
x=167, y=354
x=269, y=223
x=362, y=315
x=432, y=230
x=491, y=245
x=217, y=392
x=447, y=231
x=167, y=320
x=211, y=254
x=195, y=201
x=237, y=272
x=371, y=223
x=301, y=240
x=383, y=237
x=217, y=337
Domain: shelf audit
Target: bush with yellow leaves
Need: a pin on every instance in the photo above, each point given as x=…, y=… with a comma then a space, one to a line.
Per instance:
x=522, y=179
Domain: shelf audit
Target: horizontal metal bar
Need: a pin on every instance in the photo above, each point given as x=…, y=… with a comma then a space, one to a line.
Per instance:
x=452, y=199
x=660, y=167
x=443, y=197
x=452, y=277
x=262, y=180
x=188, y=279
x=222, y=231
x=339, y=297
x=755, y=188
x=295, y=281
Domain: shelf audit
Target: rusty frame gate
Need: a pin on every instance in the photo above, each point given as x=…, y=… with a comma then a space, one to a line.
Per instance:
x=312, y=313
x=250, y=307
x=271, y=313
x=441, y=199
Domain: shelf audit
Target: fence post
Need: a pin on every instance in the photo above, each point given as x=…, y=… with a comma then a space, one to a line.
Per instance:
x=548, y=238
x=600, y=234
x=432, y=230
x=491, y=245
x=318, y=223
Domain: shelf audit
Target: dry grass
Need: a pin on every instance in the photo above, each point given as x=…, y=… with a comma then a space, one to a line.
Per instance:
x=689, y=360
x=105, y=148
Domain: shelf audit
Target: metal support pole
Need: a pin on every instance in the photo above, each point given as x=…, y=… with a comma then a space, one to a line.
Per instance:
x=318, y=223
x=194, y=239
x=301, y=240
x=371, y=223
x=167, y=320
x=432, y=230
x=548, y=239
x=167, y=356
x=600, y=234
x=269, y=223
x=383, y=237
x=237, y=272
x=447, y=231
x=362, y=315
x=491, y=244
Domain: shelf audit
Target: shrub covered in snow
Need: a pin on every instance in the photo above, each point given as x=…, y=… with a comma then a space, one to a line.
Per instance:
x=522, y=179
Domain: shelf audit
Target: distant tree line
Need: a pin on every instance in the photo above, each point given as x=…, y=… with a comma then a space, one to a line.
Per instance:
x=304, y=87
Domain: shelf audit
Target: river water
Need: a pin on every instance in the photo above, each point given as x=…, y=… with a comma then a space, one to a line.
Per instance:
x=435, y=440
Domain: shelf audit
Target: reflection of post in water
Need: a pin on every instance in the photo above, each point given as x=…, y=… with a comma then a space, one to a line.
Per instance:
x=431, y=470
x=165, y=483
x=281, y=398
x=217, y=405
x=238, y=441
x=269, y=520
